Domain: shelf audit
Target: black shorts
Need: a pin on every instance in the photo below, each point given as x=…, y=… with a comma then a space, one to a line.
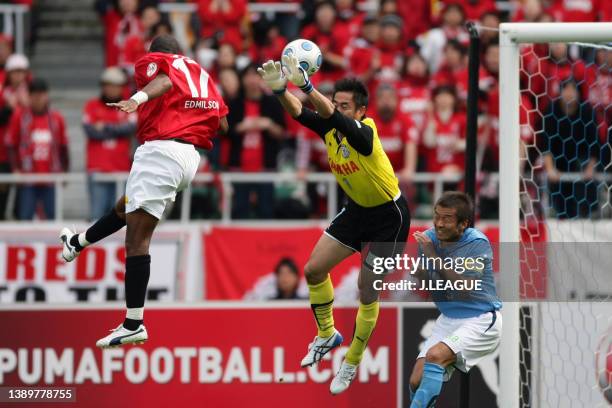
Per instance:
x=383, y=229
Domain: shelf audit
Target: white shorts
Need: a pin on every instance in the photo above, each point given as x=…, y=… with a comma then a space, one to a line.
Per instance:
x=470, y=339
x=161, y=168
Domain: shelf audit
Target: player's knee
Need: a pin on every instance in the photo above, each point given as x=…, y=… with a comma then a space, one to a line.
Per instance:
x=367, y=295
x=313, y=274
x=436, y=355
x=135, y=247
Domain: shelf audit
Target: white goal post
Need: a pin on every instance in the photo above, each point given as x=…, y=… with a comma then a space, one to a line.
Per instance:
x=512, y=35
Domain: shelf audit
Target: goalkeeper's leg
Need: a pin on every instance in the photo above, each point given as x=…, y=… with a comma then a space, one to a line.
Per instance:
x=110, y=223
x=365, y=322
x=327, y=253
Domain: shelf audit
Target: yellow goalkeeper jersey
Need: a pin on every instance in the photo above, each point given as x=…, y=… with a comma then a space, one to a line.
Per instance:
x=368, y=180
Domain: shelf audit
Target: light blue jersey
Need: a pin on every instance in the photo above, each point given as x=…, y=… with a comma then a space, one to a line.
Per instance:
x=455, y=304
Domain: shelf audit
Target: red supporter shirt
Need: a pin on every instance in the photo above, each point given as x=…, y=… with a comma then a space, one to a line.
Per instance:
x=224, y=24
x=416, y=15
x=458, y=78
x=191, y=110
x=413, y=99
x=448, y=134
x=527, y=118
x=360, y=54
x=333, y=42
x=575, y=11
x=546, y=83
x=473, y=9
x=351, y=22
x=38, y=139
x=599, y=82
x=111, y=154
x=394, y=135
x=251, y=156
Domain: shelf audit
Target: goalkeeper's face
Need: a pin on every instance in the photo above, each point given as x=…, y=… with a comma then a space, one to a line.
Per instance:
x=344, y=102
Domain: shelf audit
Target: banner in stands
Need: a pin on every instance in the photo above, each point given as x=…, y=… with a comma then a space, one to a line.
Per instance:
x=32, y=269
x=240, y=262
x=211, y=357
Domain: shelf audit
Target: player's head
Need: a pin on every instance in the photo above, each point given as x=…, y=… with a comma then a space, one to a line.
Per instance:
x=452, y=215
x=350, y=97
x=386, y=101
x=166, y=44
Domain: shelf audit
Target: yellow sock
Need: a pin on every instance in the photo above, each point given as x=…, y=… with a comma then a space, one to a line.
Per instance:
x=321, y=301
x=364, y=326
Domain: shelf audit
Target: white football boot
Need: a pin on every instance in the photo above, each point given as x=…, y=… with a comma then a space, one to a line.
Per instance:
x=320, y=346
x=68, y=251
x=121, y=336
x=343, y=378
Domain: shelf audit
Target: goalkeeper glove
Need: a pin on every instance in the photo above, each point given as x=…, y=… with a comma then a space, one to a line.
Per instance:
x=296, y=74
x=273, y=76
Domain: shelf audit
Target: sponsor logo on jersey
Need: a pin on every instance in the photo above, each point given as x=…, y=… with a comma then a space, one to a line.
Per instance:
x=344, y=169
x=151, y=69
x=345, y=151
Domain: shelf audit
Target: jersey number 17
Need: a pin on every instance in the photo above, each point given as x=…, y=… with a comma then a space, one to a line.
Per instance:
x=180, y=63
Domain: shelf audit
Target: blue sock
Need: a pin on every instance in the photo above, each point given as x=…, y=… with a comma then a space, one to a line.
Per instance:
x=431, y=385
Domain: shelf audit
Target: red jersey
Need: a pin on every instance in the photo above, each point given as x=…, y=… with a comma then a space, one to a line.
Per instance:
x=527, y=118
x=191, y=110
x=38, y=139
x=394, y=135
x=576, y=11
x=473, y=9
x=413, y=99
x=459, y=78
x=333, y=42
x=448, y=134
x=251, y=156
x=360, y=54
x=110, y=154
x=547, y=85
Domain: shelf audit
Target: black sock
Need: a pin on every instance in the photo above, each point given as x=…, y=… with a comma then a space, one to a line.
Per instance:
x=74, y=241
x=137, y=271
x=131, y=324
x=105, y=226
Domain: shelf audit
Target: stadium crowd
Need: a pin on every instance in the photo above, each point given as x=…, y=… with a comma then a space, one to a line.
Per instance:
x=411, y=54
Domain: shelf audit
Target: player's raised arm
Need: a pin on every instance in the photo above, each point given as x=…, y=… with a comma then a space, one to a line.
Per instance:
x=298, y=77
x=154, y=89
x=272, y=75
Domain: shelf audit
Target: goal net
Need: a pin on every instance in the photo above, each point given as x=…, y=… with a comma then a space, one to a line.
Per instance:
x=556, y=215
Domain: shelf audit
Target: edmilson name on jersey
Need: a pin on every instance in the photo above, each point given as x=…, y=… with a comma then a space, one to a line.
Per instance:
x=201, y=104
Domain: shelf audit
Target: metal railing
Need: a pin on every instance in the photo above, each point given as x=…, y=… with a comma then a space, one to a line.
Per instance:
x=13, y=21
x=226, y=179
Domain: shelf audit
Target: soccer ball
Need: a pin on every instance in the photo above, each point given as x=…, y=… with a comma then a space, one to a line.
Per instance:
x=307, y=53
